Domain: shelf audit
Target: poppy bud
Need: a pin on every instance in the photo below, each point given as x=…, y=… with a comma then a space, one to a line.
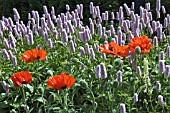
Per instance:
x=103, y=71
x=135, y=97
x=167, y=71
x=157, y=58
x=138, y=71
x=98, y=74
x=161, y=66
x=122, y=108
x=158, y=86
x=168, y=52
x=160, y=100
x=119, y=76
x=82, y=51
x=72, y=48
x=117, y=62
x=137, y=50
x=14, y=60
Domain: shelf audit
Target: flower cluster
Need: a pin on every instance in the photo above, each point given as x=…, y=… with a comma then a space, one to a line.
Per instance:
x=122, y=51
x=58, y=82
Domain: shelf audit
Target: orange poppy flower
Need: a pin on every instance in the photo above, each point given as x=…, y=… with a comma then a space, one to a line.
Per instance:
x=143, y=42
x=23, y=77
x=61, y=81
x=114, y=49
x=33, y=54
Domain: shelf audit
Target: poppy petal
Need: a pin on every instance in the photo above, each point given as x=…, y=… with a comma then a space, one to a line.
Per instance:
x=42, y=54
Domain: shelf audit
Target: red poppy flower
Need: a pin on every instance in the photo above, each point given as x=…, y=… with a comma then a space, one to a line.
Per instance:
x=61, y=81
x=23, y=77
x=143, y=42
x=33, y=54
x=114, y=49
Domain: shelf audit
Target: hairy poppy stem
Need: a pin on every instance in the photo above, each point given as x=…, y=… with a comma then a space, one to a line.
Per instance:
x=23, y=93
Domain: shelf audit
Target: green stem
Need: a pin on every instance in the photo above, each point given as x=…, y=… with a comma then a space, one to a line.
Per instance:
x=23, y=92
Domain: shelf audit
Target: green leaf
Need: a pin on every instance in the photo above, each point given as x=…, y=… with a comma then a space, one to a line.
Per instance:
x=50, y=72
x=30, y=88
x=41, y=99
x=4, y=104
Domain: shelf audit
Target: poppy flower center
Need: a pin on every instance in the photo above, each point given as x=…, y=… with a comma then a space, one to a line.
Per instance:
x=111, y=48
x=38, y=57
x=63, y=86
x=24, y=82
